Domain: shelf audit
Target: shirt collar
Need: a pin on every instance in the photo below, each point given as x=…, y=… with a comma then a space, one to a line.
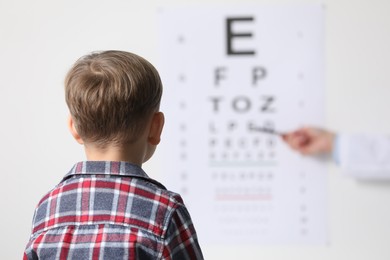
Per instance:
x=112, y=168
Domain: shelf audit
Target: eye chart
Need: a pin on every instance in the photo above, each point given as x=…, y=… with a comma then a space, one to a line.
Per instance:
x=234, y=77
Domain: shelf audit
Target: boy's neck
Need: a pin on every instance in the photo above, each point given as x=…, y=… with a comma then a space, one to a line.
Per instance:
x=132, y=153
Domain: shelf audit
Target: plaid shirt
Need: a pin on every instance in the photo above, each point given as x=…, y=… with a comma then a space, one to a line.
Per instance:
x=111, y=210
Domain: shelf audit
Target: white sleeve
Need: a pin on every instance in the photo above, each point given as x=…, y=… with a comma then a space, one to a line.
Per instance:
x=364, y=156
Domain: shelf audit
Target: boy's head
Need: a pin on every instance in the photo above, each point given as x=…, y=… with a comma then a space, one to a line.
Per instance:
x=111, y=96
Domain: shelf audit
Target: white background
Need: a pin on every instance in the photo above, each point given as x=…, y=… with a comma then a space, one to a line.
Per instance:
x=39, y=41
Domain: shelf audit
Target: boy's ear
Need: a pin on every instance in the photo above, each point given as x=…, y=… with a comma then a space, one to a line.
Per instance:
x=156, y=128
x=73, y=130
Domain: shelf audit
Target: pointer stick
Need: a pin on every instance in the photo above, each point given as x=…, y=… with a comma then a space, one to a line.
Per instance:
x=266, y=130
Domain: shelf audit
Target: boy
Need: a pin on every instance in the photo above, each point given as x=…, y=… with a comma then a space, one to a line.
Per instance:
x=107, y=207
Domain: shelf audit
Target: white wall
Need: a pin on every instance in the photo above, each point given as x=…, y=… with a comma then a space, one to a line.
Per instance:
x=39, y=40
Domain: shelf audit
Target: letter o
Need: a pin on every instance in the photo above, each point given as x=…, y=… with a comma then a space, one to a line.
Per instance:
x=241, y=104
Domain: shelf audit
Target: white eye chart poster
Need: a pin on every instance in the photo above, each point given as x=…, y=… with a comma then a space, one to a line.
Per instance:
x=234, y=77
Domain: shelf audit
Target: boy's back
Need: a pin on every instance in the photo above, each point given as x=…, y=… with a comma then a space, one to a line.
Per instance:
x=111, y=210
x=108, y=207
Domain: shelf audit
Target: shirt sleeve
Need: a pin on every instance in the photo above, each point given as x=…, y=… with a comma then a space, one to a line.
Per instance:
x=181, y=241
x=336, y=150
x=29, y=253
x=363, y=156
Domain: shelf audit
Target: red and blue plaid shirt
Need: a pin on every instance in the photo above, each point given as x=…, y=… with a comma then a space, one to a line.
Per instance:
x=111, y=210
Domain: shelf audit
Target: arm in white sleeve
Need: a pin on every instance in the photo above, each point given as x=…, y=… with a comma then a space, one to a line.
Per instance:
x=363, y=156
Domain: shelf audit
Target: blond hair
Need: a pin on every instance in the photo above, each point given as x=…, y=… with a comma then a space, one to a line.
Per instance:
x=111, y=95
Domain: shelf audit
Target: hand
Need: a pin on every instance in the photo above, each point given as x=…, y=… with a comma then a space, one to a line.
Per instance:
x=310, y=140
